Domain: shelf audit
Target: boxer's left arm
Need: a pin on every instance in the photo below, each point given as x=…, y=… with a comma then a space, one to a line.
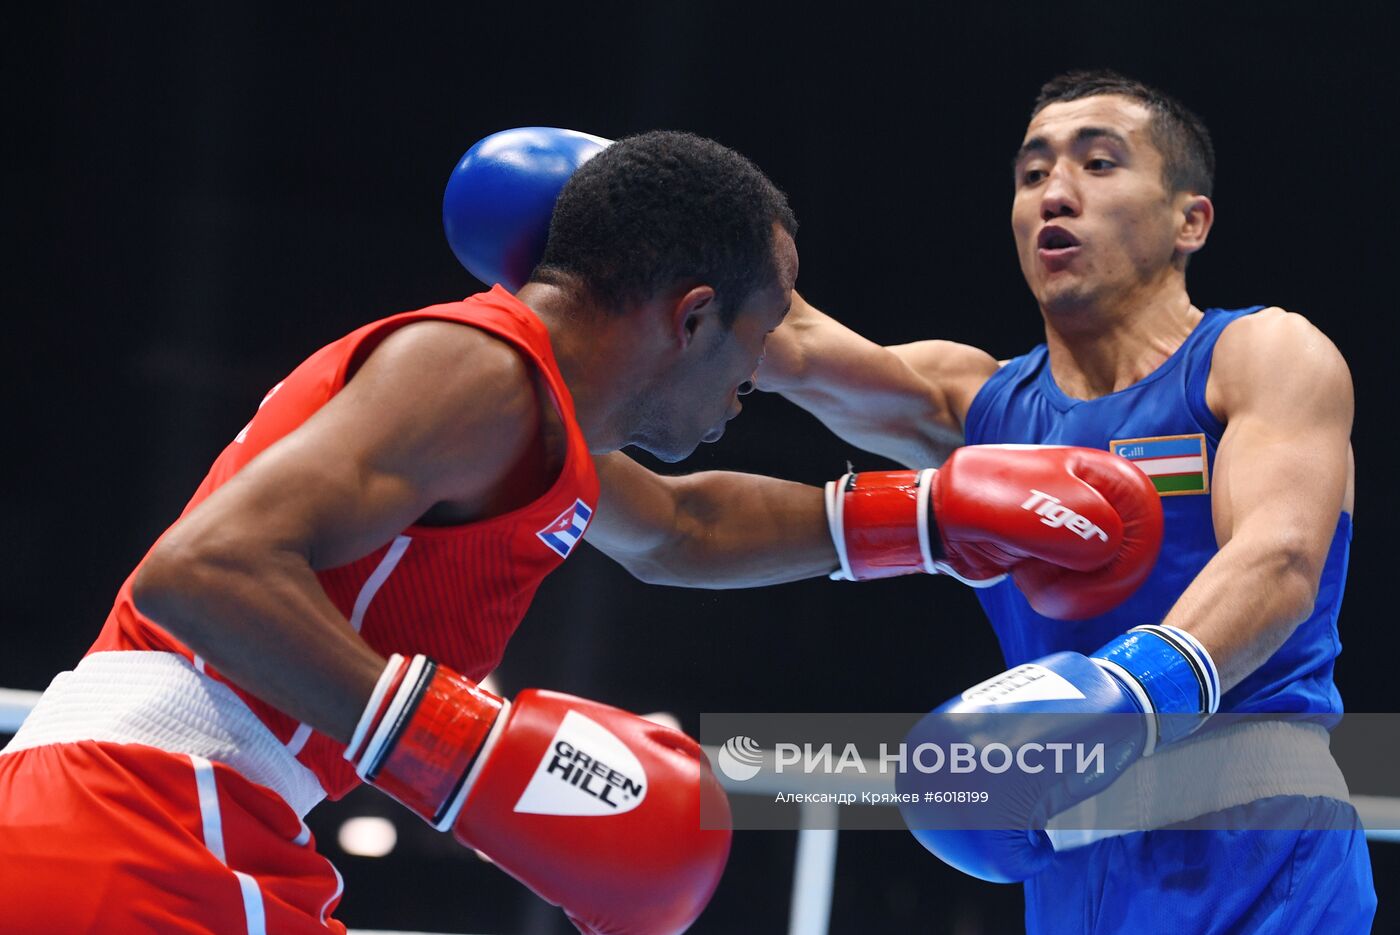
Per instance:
x=1282, y=475
x=971, y=519
x=717, y=529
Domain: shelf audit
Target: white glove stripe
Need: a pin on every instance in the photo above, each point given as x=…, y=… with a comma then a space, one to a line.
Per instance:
x=835, y=523
x=402, y=697
x=925, y=551
x=1211, y=671
x=449, y=817
x=1131, y=683
x=372, y=708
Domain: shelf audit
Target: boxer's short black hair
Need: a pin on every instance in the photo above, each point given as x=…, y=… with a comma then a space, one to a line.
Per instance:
x=1188, y=158
x=662, y=209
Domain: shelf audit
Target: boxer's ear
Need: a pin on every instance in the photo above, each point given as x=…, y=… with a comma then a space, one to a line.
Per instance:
x=1197, y=213
x=693, y=314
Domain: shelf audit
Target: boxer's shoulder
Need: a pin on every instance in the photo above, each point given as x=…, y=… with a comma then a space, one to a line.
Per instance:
x=459, y=402
x=458, y=365
x=1273, y=354
x=1256, y=338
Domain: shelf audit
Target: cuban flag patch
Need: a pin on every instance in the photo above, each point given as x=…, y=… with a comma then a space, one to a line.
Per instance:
x=1176, y=463
x=566, y=530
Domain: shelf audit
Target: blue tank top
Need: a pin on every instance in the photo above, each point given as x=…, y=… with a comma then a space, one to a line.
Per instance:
x=1163, y=424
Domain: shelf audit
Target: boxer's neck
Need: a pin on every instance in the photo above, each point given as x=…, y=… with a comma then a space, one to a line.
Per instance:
x=1105, y=347
x=596, y=350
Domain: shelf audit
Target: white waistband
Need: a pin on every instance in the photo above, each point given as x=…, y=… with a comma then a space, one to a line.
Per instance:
x=159, y=700
x=1223, y=768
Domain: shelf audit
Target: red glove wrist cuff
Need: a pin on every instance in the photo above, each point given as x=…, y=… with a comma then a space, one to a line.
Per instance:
x=880, y=524
x=423, y=729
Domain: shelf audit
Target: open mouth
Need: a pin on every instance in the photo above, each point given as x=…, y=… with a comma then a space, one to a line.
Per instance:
x=1056, y=238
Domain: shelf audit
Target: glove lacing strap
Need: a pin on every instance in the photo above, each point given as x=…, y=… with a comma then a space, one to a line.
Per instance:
x=1168, y=672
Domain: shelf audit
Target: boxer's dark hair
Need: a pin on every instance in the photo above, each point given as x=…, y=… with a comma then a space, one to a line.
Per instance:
x=1188, y=158
x=663, y=209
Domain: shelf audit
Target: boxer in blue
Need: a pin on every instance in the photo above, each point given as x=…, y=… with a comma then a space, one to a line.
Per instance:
x=1242, y=419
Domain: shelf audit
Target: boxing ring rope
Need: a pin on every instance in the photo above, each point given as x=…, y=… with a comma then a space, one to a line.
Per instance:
x=814, y=876
x=15, y=706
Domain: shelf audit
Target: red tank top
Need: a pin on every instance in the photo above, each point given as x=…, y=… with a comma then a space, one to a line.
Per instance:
x=456, y=593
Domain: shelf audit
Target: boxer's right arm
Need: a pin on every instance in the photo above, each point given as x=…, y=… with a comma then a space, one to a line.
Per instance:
x=905, y=402
x=615, y=819
x=439, y=413
x=234, y=578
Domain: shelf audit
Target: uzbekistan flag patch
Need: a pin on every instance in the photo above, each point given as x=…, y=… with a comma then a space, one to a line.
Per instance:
x=566, y=530
x=1175, y=463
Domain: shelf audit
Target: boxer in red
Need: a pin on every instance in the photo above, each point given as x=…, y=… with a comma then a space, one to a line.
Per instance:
x=361, y=552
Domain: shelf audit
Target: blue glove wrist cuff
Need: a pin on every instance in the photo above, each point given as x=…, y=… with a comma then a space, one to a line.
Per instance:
x=1169, y=672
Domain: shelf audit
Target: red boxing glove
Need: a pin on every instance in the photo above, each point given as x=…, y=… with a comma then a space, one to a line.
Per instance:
x=596, y=810
x=1077, y=529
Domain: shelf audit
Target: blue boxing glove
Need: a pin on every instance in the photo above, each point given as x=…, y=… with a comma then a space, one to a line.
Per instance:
x=500, y=197
x=992, y=766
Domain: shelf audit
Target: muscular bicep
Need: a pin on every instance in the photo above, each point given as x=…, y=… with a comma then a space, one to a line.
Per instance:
x=1280, y=478
x=1283, y=466
x=437, y=413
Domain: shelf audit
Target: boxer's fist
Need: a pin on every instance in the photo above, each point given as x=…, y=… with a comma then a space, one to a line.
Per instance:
x=501, y=195
x=1148, y=688
x=1003, y=839
x=596, y=810
x=1078, y=529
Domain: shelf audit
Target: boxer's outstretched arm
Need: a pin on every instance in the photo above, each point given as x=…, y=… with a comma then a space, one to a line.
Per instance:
x=719, y=529
x=905, y=402
x=1282, y=475
x=437, y=413
x=715, y=529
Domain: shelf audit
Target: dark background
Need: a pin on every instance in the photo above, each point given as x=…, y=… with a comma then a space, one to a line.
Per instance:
x=197, y=198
